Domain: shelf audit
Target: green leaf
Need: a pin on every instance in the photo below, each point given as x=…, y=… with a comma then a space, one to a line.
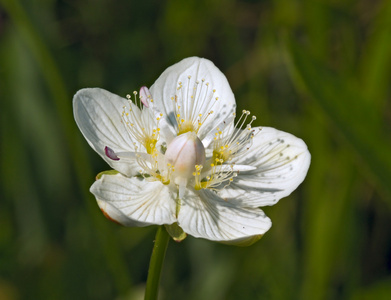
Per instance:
x=376, y=58
x=380, y=291
x=353, y=115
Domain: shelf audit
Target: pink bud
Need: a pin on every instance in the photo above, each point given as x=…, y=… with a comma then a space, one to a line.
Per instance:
x=144, y=95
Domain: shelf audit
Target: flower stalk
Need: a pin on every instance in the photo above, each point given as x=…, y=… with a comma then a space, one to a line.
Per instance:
x=155, y=266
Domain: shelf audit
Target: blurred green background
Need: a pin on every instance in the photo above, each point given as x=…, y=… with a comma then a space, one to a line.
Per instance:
x=318, y=69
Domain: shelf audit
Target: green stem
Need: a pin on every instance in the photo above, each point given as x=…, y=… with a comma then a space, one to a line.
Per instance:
x=155, y=266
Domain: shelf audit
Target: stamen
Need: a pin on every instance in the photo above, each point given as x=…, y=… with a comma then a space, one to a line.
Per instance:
x=228, y=145
x=152, y=167
x=141, y=124
x=197, y=177
x=193, y=105
x=215, y=178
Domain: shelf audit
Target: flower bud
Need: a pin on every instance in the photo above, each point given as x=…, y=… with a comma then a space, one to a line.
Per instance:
x=184, y=153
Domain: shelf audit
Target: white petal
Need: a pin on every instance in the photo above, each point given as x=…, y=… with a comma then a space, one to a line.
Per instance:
x=134, y=201
x=166, y=85
x=281, y=161
x=166, y=131
x=235, y=168
x=207, y=170
x=98, y=114
x=206, y=215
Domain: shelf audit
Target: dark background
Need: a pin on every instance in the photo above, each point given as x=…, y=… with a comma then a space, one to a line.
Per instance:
x=317, y=69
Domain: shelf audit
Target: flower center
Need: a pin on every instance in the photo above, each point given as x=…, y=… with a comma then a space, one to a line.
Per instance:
x=184, y=152
x=183, y=161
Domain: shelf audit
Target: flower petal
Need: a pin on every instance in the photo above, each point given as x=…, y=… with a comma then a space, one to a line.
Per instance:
x=134, y=201
x=204, y=214
x=98, y=114
x=281, y=160
x=199, y=69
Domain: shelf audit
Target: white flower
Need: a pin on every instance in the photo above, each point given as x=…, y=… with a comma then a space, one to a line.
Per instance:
x=183, y=160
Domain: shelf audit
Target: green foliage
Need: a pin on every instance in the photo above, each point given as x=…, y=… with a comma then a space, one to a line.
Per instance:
x=318, y=69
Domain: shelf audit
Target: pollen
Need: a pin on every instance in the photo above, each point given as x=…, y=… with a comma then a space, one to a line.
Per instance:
x=150, y=144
